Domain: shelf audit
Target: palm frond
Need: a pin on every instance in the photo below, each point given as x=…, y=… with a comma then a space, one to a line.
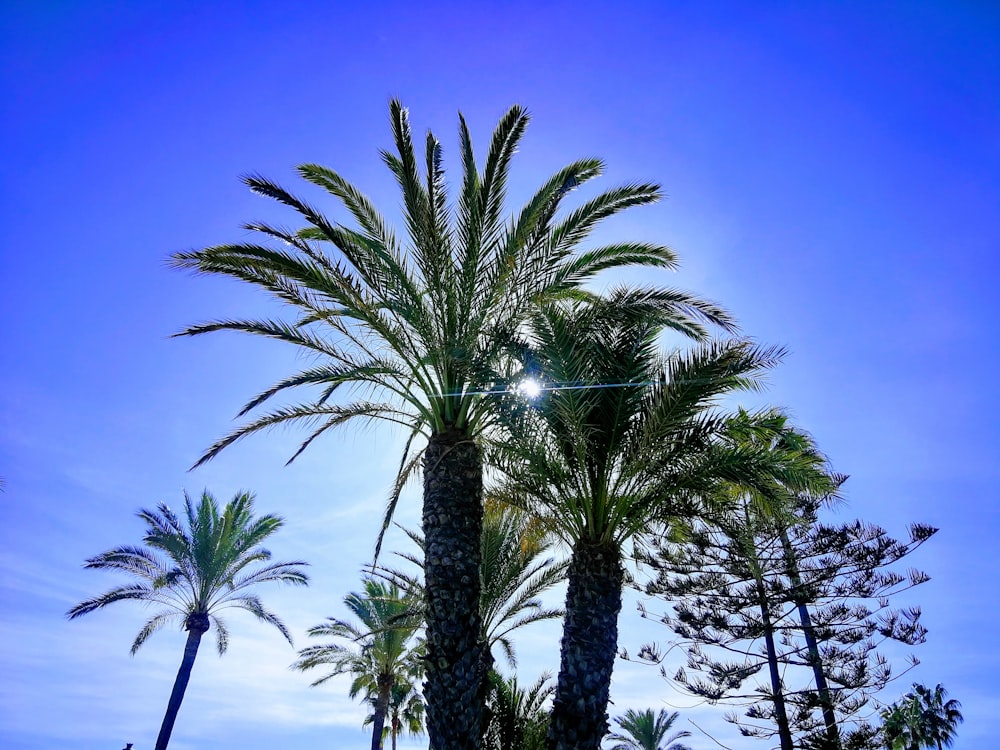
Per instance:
x=213, y=553
x=153, y=624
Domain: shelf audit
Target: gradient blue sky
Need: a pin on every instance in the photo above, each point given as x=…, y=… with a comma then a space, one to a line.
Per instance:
x=832, y=172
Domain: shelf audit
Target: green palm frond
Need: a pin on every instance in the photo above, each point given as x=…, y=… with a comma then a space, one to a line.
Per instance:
x=212, y=556
x=409, y=467
x=378, y=643
x=644, y=730
x=134, y=592
x=153, y=624
x=623, y=435
x=428, y=324
x=327, y=415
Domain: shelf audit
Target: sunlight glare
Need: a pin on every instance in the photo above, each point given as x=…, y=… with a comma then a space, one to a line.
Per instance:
x=529, y=388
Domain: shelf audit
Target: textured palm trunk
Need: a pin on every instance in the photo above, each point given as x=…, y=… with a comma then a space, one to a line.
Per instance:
x=196, y=626
x=589, y=645
x=809, y=633
x=455, y=690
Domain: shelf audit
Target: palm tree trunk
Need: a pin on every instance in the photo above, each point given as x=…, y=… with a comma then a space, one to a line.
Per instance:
x=589, y=645
x=455, y=690
x=809, y=633
x=197, y=626
x=381, y=709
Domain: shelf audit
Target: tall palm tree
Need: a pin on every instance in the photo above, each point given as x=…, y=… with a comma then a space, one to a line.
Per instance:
x=194, y=567
x=623, y=435
x=425, y=327
x=940, y=717
x=382, y=654
x=644, y=730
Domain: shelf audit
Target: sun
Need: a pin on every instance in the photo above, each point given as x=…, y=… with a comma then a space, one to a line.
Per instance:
x=529, y=388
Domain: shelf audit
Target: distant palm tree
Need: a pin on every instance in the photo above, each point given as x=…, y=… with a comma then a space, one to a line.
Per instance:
x=380, y=654
x=406, y=711
x=902, y=725
x=923, y=718
x=643, y=730
x=195, y=567
x=519, y=717
x=940, y=717
x=425, y=327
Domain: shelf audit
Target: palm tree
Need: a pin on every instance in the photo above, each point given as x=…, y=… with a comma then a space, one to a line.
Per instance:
x=426, y=327
x=194, y=568
x=902, y=725
x=642, y=730
x=622, y=436
x=940, y=717
x=518, y=717
x=922, y=719
x=384, y=656
x=406, y=710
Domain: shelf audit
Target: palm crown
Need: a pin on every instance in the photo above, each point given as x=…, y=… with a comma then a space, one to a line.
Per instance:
x=196, y=566
x=625, y=431
x=644, y=730
x=429, y=324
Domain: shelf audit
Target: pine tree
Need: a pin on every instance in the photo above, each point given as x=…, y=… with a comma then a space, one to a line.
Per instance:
x=803, y=601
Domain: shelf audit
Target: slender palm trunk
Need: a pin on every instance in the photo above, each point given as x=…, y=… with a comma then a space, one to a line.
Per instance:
x=197, y=626
x=809, y=633
x=589, y=646
x=381, y=709
x=455, y=690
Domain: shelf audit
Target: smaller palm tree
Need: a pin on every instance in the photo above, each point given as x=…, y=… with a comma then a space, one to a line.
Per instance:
x=642, y=730
x=518, y=716
x=405, y=713
x=941, y=717
x=902, y=725
x=194, y=569
x=922, y=719
x=381, y=656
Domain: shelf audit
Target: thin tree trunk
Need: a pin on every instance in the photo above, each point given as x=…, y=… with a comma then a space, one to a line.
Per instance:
x=381, y=709
x=780, y=713
x=197, y=626
x=455, y=690
x=809, y=633
x=778, y=694
x=589, y=645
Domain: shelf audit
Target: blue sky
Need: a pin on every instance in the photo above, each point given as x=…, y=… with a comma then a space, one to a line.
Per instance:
x=832, y=178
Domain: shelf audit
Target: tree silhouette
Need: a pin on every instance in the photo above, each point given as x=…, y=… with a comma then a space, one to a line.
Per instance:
x=194, y=567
